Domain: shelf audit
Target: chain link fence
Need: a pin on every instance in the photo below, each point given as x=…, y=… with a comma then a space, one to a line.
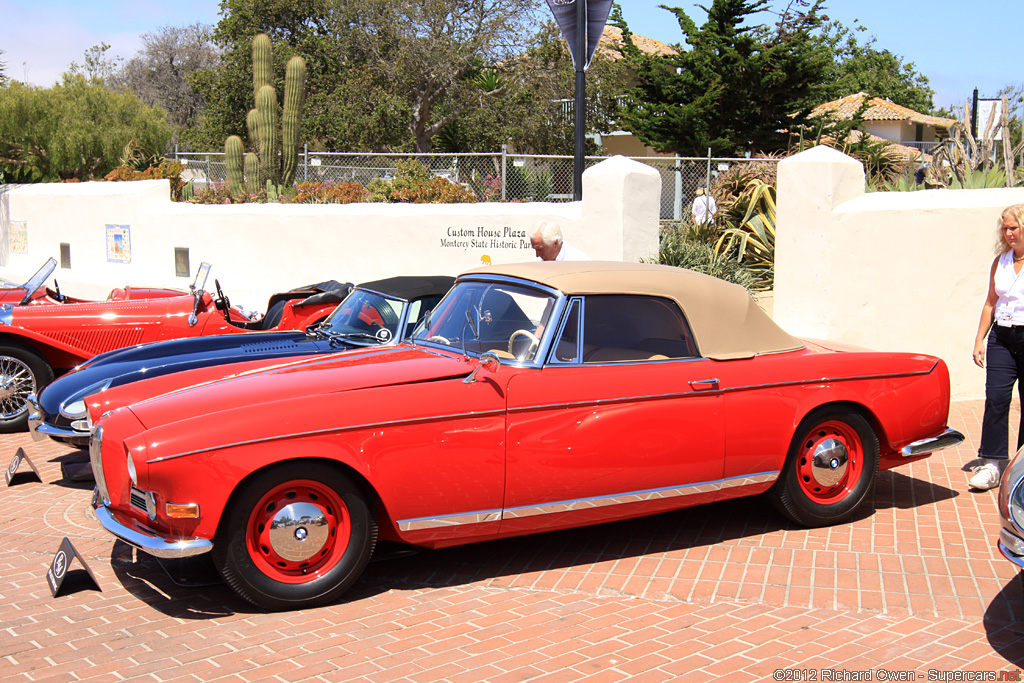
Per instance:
x=492, y=177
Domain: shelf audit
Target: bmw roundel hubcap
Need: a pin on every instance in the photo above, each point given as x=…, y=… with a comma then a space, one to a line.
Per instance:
x=828, y=465
x=16, y=383
x=830, y=462
x=298, y=531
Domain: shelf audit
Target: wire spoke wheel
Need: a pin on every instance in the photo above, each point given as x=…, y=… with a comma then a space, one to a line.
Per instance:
x=16, y=383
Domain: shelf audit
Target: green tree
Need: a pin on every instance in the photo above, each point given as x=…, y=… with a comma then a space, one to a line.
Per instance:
x=880, y=73
x=78, y=128
x=382, y=74
x=158, y=73
x=3, y=68
x=738, y=87
x=296, y=27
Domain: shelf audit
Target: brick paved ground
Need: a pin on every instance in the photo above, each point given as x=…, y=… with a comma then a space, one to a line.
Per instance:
x=728, y=589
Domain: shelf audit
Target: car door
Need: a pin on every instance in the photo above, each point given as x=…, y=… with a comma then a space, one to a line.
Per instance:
x=624, y=419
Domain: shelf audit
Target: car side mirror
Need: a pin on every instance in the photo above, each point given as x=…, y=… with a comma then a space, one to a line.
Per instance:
x=488, y=361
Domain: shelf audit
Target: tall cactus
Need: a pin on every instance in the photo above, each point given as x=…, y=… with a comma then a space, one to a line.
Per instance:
x=266, y=109
x=291, y=122
x=262, y=63
x=252, y=173
x=233, y=152
x=252, y=124
x=264, y=127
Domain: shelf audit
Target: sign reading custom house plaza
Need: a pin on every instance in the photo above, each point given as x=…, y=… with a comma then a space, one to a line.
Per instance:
x=485, y=238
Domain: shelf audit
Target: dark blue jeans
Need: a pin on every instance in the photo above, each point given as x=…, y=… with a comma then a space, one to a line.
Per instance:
x=1004, y=365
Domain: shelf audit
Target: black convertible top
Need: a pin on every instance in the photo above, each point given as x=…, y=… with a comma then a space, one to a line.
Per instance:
x=411, y=287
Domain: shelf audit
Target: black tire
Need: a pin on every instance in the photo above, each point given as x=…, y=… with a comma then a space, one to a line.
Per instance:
x=22, y=372
x=832, y=487
x=298, y=563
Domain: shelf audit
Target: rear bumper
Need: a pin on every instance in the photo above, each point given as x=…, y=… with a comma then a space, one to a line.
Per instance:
x=149, y=541
x=947, y=439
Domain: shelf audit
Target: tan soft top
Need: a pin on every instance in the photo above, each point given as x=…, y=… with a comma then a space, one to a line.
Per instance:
x=726, y=322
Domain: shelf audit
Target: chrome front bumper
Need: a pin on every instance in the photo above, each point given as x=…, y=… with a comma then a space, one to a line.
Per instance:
x=40, y=430
x=947, y=439
x=1005, y=550
x=147, y=540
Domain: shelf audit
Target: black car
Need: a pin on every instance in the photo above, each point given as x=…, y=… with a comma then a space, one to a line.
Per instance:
x=374, y=313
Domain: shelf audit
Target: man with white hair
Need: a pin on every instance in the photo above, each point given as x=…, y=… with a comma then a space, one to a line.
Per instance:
x=546, y=240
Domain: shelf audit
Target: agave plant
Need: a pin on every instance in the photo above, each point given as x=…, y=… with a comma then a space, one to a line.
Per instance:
x=752, y=237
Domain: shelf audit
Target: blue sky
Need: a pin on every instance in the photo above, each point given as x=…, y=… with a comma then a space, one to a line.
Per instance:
x=958, y=46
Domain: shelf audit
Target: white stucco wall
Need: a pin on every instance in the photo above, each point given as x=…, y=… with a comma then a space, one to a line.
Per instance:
x=892, y=271
x=257, y=249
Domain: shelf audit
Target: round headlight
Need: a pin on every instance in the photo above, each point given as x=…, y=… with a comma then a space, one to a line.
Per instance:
x=1016, y=505
x=74, y=407
x=132, y=474
x=73, y=410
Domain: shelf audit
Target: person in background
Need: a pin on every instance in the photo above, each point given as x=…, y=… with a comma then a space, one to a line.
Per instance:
x=547, y=242
x=704, y=207
x=999, y=348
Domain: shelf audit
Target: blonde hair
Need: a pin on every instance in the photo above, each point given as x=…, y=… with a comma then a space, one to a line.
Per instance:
x=1016, y=212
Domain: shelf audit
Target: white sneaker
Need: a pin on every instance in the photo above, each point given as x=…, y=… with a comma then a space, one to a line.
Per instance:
x=985, y=477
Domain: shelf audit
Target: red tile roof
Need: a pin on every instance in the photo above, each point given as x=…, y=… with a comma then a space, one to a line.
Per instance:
x=878, y=110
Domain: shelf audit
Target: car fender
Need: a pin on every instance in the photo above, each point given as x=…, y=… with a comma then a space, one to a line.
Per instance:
x=58, y=354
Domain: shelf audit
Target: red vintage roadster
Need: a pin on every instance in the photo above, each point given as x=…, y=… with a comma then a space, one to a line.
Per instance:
x=34, y=291
x=534, y=397
x=38, y=342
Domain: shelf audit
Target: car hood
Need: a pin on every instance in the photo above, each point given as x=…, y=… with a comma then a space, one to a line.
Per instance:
x=145, y=361
x=251, y=392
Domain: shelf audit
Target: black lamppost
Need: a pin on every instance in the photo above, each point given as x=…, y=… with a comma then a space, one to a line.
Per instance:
x=582, y=22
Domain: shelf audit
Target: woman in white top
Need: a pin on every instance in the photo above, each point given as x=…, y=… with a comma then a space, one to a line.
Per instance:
x=1002, y=354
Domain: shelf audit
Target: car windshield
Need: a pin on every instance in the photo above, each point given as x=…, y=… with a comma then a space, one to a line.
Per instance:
x=32, y=284
x=365, y=316
x=505, y=318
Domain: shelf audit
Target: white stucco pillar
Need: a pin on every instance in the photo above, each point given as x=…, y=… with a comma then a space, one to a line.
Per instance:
x=625, y=196
x=811, y=185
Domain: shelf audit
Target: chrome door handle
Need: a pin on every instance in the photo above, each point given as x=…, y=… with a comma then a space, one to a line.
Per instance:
x=704, y=384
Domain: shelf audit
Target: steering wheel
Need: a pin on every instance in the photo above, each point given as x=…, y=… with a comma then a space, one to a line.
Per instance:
x=439, y=338
x=534, y=343
x=222, y=302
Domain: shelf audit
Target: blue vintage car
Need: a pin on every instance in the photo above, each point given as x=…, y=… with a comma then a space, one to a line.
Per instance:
x=374, y=313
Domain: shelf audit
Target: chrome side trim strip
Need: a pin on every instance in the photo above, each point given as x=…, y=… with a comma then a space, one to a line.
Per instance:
x=454, y=520
x=332, y=430
x=720, y=390
x=586, y=503
x=947, y=439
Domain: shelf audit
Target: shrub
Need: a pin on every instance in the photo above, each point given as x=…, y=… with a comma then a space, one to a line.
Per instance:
x=328, y=193
x=170, y=170
x=413, y=184
x=676, y=249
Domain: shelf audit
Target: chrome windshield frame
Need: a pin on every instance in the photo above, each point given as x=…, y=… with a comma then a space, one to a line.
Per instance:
x=554, y=319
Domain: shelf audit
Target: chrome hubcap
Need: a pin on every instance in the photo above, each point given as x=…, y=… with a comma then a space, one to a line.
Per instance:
x=298, y=531
x=830, y=462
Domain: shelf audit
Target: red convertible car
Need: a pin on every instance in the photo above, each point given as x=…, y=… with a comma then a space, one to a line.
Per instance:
x=38, y=342
x=33, y=291
x=534, y=397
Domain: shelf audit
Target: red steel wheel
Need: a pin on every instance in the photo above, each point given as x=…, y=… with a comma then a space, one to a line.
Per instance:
x=830, y=468
x=830, y=462
x=298, y=531
x=295, y=535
